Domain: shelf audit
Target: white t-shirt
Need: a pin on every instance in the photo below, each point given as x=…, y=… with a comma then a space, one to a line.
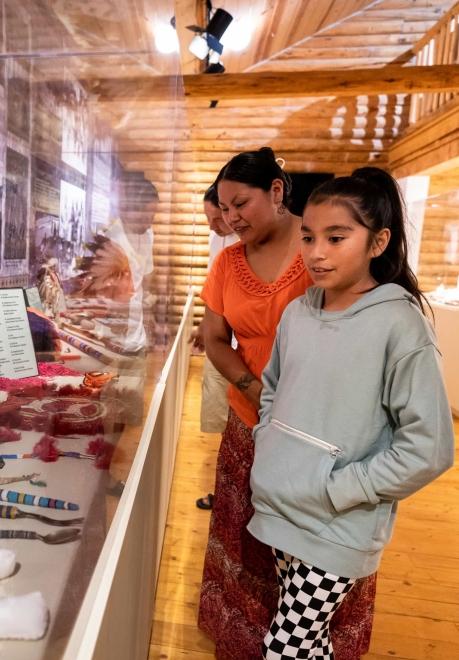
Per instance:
x=139, y=252
x=218, y=243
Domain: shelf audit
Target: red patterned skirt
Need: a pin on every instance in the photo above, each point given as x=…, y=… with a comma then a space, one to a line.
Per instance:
x=239, y=589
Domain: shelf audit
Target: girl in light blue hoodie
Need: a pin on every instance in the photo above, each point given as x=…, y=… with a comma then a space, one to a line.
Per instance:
x=354, y=415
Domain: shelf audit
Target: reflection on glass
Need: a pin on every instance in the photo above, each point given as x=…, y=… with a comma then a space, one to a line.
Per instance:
x=118, y=272
x=77, y=227
x=439, y=252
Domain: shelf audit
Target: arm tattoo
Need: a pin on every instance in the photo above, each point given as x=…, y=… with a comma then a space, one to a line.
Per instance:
x=244, y=381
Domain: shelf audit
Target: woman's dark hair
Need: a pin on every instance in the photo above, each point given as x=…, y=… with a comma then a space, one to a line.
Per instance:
x=257, y=169
x=211, y=195
x=373, y=198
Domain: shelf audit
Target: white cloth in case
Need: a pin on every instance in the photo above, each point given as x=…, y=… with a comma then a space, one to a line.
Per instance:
x=23, y=617
x=7, y=563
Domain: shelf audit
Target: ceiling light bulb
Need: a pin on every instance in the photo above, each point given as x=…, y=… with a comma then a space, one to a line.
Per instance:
x=238, y=35
x=166, y=39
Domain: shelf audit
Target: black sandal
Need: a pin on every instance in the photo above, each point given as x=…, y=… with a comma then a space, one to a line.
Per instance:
x=205, y=502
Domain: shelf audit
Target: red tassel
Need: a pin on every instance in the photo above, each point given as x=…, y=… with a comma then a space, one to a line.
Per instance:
x=103, y=451
x=46, y=449
x=8, y=435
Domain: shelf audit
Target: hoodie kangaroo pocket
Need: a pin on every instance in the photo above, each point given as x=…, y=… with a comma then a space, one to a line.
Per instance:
x=289, y=476
x=366, y=527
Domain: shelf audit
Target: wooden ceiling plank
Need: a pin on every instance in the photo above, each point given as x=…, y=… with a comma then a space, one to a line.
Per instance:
x=358, y=40
x=309, y=29
x=435, y=6
x=366, y=26
x=309, y=18
x=383, y=13
x=279, y=66
x=350, y=50
x=277, y=24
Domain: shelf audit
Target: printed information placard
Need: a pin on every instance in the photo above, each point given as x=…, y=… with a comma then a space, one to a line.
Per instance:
x=17, y=355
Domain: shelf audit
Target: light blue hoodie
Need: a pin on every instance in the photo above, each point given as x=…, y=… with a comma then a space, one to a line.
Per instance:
x=354, y=417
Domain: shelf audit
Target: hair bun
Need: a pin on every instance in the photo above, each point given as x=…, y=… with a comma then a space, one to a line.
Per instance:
x=268, y=152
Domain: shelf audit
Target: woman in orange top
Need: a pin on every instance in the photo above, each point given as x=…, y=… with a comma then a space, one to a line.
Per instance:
x=247, y=290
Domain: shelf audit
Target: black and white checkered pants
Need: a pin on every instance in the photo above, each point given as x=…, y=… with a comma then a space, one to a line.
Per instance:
x=308, y=599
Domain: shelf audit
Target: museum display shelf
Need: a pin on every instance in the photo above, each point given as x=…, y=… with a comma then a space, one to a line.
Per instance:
x=99, y=586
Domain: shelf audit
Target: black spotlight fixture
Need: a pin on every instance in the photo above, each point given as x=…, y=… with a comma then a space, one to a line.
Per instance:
x=206, y=43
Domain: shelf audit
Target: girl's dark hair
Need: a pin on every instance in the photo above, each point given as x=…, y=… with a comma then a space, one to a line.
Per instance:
x=211, y=195
x=373, y=198
x=257, y=169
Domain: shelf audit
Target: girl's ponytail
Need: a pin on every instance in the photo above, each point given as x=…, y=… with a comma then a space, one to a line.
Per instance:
x=392, y=265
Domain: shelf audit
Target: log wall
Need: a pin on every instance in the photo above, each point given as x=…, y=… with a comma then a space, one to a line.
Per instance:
x=313, y=135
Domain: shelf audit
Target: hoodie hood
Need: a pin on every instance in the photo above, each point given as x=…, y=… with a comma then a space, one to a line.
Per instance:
x=383, y=293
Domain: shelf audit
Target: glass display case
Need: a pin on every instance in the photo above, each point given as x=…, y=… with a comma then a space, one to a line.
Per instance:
x=439, y=249
x=89, y=306
x=439, y=275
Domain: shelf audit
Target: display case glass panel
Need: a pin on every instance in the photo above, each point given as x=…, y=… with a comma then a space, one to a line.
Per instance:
x=439, y=249
x=85, y=276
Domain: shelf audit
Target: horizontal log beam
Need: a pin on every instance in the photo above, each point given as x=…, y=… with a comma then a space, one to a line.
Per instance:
x=390, y=79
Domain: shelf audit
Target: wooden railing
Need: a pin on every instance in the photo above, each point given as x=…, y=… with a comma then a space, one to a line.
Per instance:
x=440, y=45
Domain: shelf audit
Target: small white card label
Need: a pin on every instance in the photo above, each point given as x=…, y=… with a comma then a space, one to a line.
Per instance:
x=17, y=355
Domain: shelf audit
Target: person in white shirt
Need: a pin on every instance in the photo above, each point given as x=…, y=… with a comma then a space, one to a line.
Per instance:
x=214, y=402
x=132, y=232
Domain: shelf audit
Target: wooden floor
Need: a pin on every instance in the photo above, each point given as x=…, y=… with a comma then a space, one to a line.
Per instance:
x=417, y=605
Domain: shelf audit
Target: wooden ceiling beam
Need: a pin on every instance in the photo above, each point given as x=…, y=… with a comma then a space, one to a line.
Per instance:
x=390, y=79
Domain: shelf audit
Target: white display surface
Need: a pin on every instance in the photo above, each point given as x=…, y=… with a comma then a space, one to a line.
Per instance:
x=447, y=330
x=104, y=583
x=48, y=568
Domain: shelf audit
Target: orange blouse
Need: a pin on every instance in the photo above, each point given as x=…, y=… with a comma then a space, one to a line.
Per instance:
x=253, y=309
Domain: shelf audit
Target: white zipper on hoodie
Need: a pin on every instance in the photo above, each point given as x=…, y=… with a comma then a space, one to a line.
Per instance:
x=332, y=449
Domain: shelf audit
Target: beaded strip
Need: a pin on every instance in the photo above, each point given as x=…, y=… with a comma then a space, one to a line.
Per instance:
x=18, y=534
x=14, y=497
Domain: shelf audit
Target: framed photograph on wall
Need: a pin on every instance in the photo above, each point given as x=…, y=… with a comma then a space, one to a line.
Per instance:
x=18, y=101
x=16, y=205
x=72, y=219
x=101, y=177
x=75, y=130
x=46, y=124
